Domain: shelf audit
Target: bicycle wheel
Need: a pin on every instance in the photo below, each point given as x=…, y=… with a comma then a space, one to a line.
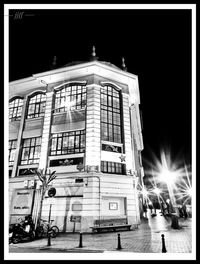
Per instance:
x=39, y=232
x=55, y=231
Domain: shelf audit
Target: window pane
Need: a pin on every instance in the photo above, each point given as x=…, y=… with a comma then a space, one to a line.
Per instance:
x=31, y=150
x=70, y=98
x=68, y=142
x=36, y=106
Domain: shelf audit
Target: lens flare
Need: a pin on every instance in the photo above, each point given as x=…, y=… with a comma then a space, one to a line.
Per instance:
x=171, y=175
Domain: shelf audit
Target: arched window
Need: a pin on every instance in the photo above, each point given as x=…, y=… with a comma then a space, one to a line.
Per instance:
x=70, y=98
x=36, y=106
x=15, y=108
x=110, y=114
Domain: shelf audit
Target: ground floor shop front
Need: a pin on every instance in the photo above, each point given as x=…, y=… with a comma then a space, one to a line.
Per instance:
x=80, y=199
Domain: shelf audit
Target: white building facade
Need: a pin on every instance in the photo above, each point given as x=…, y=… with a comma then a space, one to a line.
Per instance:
x=83, y=122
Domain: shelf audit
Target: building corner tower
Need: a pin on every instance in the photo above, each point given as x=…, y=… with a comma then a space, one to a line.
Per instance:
x=83, y=121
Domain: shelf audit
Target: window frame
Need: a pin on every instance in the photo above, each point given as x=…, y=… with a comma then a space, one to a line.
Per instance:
x=38, y=105
x=111, y=114
x=11, y=148
x=31, y=148
x=70, y=145
x=17, y=107
x=113, y=167
x=71, y=91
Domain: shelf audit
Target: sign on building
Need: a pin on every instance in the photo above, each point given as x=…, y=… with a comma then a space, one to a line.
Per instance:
x=22, y=201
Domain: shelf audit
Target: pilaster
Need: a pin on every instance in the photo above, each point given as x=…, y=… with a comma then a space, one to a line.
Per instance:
x=93, y=126
x=46, y=131
x=19, y=139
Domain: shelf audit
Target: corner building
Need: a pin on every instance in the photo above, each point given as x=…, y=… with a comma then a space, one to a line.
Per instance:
x=82, y=121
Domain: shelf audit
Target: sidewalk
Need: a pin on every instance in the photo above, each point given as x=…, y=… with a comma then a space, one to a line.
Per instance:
x=145, y=239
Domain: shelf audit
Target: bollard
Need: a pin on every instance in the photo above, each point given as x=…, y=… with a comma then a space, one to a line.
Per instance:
x=80, y=241
x=163, y=244
x=49, y=238
x=174, y=224
x=119, y=242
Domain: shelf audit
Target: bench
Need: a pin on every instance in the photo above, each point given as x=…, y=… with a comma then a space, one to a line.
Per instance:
x=110, y=224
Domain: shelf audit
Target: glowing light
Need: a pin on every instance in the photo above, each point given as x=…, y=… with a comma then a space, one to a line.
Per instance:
x=185, y=189
x=189, y=191
x=164, y=169
x=170, y=171
x=156, y=191
x=67, y=103
x=144, y=192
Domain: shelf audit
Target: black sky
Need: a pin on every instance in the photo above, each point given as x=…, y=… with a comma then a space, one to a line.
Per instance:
x=156, y=45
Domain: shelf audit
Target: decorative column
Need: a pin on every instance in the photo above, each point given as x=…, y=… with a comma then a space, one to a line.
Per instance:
x=127, y=134
x=46, y=131
x=93, y=128
x=136, y=126
x=19, y=139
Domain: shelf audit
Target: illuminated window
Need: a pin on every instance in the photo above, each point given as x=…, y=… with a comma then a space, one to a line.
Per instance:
x=36, y=106
x=12, y=149
x=15, y=109
x=110, y=115
x=112, y=167
x=31, y=148
x=68, y=143
x=70, y=98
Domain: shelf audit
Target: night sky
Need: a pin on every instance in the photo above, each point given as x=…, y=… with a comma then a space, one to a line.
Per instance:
x=156, y=45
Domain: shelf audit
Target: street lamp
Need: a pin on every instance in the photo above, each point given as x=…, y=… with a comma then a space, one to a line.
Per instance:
x=169, y=177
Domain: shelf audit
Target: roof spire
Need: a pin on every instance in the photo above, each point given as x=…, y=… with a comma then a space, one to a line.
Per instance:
x=123, y=64
x=94, y=57
x=54, y=63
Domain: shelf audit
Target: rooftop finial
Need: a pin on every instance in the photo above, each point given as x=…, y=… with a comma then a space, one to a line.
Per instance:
x=93, y=52
x=123, y=64
x=94, y=57
x=54, y=63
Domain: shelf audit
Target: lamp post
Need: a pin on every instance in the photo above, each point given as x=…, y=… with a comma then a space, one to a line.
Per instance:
x=169, y=178
x=157, y=192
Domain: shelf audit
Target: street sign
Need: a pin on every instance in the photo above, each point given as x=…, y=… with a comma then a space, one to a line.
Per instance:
x=75, y=218
x=51, y=200
x=51, y=192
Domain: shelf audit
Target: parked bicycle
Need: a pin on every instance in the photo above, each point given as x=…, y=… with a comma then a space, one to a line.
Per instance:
x=44, y=227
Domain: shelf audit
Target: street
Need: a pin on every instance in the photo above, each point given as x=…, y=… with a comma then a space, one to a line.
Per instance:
x=145, y=239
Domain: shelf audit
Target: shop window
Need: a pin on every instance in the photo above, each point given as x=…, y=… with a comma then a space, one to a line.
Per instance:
x=113, y=206
x=15, y=109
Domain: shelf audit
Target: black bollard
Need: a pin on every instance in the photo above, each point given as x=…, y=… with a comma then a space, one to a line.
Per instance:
x=80, y=241
x=163, y=244
x=49, y=238
x=119, y=242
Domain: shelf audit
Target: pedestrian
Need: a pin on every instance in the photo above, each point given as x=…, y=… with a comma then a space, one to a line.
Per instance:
x=145, y=209
x=168, y=206
x=180, y=211
x=184, y=211
x=150, y=206
x=163, y=208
